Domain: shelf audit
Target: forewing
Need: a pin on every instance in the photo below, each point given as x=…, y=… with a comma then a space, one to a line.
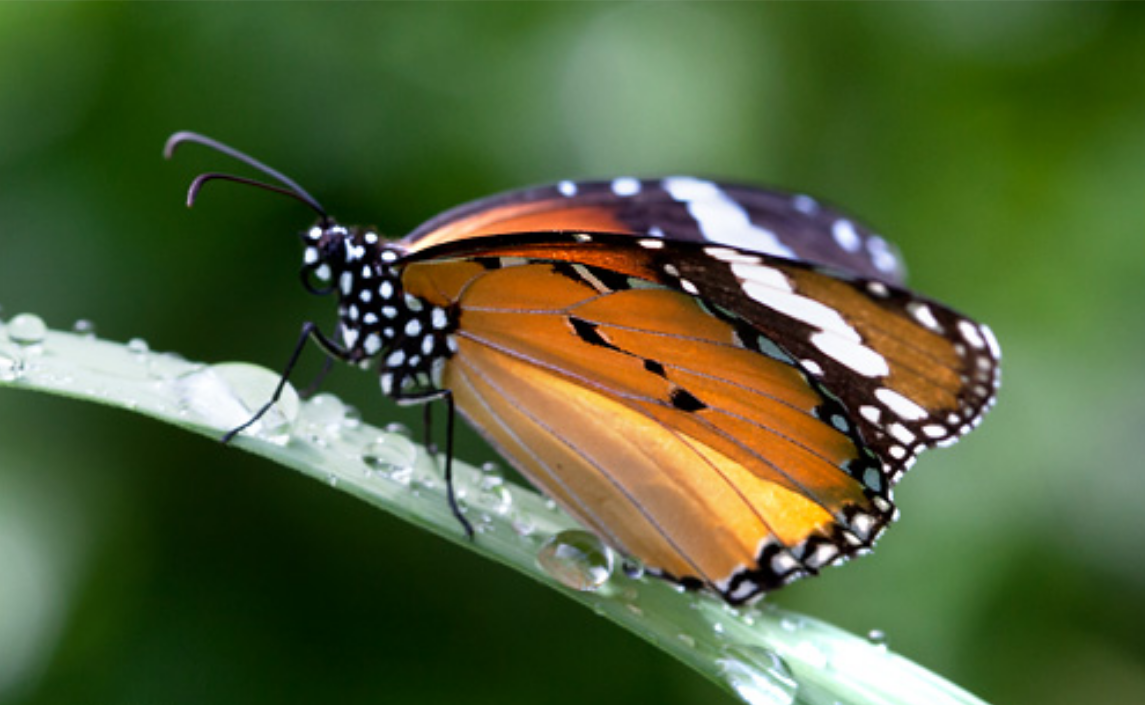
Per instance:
x=676, y=209
x=910, y=372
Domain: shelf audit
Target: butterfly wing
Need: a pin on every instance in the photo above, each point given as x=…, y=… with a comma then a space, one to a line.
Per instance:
x=719, y=434
x=679, y=208
x=645, y=417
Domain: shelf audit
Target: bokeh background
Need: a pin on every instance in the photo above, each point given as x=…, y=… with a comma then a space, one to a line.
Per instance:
x=1001, y=146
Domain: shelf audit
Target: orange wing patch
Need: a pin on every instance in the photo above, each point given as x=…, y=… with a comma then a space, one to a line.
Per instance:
x=533, y=216
x=647, y=418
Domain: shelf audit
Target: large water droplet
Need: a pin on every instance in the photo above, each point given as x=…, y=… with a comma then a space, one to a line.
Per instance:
x=227, y=395
x=27, y=329
x=324, y=413
x=758, y=675
x=576, y=559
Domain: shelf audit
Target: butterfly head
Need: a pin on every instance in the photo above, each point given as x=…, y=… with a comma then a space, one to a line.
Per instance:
x=335, y=256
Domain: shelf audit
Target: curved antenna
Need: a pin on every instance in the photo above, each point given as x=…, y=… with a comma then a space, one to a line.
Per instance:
x=292, y=188
x=201, y=179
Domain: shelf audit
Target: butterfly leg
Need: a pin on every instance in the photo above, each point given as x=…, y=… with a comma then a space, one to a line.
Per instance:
x=427, y=421
x=450, y=414
x=309, y=332
x=316, y=383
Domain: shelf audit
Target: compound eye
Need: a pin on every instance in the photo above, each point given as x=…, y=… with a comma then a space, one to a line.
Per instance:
x=316, y=279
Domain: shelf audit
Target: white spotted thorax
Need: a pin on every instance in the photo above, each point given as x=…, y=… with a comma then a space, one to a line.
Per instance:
x=376, y=318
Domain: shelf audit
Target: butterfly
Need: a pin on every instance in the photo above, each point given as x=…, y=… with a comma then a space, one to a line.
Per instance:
x=722, y=381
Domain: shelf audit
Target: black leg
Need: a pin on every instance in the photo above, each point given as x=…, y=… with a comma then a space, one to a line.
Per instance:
x=327, y=365
x=309, y=330
x=450, y=414
x=427, y=398
x=427, y=420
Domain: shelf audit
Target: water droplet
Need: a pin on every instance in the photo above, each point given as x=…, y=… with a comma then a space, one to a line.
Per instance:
x=632, y=567
x=576, y=559
x=399, y=429
x=495, y=495
x=332, y=480
x=523, y=527
x=84, y=327
x=351, y=417
x=229, y=394
x=688, y=639
x=877, y=638
x=11, y=367
x=27, y=329
x=758, y=675
x=138, y=346
x=325, y=412
x=491, y=468
x=393, y=456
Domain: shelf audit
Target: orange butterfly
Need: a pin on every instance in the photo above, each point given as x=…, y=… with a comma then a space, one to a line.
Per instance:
x=721, y=381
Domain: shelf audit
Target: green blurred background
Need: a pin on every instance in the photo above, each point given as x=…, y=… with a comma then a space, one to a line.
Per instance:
x=1002, y=147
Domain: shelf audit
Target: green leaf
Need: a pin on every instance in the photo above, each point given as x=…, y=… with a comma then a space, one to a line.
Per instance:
x=762, y=654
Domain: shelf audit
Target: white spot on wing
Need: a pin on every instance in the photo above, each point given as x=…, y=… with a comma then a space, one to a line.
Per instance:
x=567, y=189
x=852, y=354
x=812, y=367
x=761, y=274
x=991, y=342
x=935, y=431
x=970, y=334
x=902, y=433
x=904, y=408
x=844, y=233
x=804, y=203
x=720, y=218
x=924, y=315
x=881, y=254
x=726, y=254
x=626, y=186
x=800, y=308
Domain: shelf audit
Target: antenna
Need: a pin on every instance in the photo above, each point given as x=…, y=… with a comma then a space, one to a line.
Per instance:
x=292, y=189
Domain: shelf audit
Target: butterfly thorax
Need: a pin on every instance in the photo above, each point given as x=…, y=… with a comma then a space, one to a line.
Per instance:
x=377, y=319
